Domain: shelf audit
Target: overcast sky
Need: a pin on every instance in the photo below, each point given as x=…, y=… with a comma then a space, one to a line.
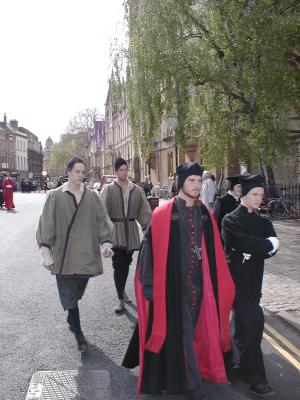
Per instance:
x=55, y=60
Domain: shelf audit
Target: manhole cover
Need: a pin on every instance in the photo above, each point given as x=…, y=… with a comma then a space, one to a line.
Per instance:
x=69, y=385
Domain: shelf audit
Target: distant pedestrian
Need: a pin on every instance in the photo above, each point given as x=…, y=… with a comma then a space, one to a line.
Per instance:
x=8, y=186
x=174, y=187
x=60, y=182
x=227, y=203
x=71, y=228
x=147, y=186
x=126, y=205
x=208, y=190
x=1, y=193
x=249, y=239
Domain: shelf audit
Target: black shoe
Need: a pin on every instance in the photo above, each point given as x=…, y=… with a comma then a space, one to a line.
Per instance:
x=233, y=375
x=196, y=394
x=81, y=342
x=261, y=389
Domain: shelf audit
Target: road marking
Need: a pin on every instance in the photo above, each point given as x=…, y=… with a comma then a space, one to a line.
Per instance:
x=283, y=340
x=286, y=354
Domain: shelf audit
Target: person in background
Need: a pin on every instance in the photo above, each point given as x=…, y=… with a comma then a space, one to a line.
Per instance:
x=8, y=186
x=208, y=190
x=227, y=203
x=60, y=182
x=147, y=185
x=72, y=226
x=126, y=205
x=249, y=238
x=1, y=193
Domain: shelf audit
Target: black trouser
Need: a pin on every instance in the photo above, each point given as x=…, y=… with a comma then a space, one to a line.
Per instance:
x=70, y=290
x=121, y=261
x=249, y=326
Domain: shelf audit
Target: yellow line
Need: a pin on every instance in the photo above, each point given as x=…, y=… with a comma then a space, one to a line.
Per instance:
x=283, y=340
x=287, y=355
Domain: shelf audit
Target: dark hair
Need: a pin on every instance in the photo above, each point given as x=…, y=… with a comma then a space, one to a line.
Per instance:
x=73, y=161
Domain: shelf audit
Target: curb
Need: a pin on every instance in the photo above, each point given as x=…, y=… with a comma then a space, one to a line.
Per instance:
x=291, y=319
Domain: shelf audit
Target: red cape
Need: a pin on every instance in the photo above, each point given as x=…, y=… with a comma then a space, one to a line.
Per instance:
x=8, y=193
x=212, y=332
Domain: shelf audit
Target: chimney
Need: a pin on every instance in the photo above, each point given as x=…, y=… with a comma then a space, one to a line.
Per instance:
x=5, y=120
x=14, y=123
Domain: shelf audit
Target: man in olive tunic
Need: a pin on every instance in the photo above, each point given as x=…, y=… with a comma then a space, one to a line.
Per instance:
x=125, y=203
x=71, y=228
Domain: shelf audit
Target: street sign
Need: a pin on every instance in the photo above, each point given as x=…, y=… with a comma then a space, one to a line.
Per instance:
x=30, y=175
x=4, y=165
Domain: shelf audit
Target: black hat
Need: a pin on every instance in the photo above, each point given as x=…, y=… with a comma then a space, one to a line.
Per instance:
x=119, y=162
x=184, y=170
x=234, y=180
x=250, y=182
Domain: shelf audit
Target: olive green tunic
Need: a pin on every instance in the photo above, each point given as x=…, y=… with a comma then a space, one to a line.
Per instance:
x=74, y=232
x=125, y=214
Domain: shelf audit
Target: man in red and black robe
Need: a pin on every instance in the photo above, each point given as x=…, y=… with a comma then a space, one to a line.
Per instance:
x=184, y=296
x=8, y=186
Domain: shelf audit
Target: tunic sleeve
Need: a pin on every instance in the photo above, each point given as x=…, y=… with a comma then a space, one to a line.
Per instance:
x=235, y=238
x=45, y=232
x=104, y=225
x=104, y=197
x=144, y=213
x=145, y=260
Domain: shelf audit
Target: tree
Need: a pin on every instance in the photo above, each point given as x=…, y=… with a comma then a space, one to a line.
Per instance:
x=220, y=67
x=74, y=141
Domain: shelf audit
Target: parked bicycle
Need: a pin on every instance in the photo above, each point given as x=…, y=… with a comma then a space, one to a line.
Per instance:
x=281, y=208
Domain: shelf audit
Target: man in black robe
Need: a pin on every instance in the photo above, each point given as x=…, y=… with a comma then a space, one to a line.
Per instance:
x=229, y=201
x=249, y=239
x=184, y=295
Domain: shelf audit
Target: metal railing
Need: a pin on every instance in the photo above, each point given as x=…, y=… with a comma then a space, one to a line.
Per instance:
x=282, y=201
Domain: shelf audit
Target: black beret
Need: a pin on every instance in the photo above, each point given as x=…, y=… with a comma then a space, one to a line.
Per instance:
x=119, y=162
x=184, y=170
x=234, y=180
x=250, y=182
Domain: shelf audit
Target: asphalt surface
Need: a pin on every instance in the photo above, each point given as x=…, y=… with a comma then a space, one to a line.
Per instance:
x=34, y=335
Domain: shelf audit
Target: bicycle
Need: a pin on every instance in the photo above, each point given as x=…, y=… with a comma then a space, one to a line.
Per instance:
x=278, y=208
x=295, y=209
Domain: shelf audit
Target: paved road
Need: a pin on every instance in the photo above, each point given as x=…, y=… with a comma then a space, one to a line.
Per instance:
x=34, y=335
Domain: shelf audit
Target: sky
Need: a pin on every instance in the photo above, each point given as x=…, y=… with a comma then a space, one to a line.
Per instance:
x=55, y=60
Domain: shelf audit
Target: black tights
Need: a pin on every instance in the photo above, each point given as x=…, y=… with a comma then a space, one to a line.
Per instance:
x=121, y=261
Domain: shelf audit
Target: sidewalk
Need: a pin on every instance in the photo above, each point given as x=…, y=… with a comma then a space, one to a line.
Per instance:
x=281, y=289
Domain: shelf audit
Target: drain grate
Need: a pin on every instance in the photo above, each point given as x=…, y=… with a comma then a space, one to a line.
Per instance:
x=69, y=385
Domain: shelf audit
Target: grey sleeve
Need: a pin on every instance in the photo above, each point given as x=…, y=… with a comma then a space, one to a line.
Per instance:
x=145, y=261
x=45, y=231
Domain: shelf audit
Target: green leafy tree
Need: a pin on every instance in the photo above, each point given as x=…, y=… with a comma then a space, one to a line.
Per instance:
x=74, y=141
x=220, y=68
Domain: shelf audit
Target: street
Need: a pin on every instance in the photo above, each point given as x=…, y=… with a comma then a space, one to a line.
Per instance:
x=34, y=334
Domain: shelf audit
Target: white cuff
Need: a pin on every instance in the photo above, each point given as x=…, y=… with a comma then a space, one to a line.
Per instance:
x=107, y=245
x=275, y=243
x=46, y=256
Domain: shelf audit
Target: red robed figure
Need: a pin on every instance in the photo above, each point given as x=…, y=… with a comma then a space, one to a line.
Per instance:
x=8, y=186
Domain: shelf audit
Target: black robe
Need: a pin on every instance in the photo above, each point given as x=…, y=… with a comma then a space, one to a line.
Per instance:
x=245, y=232
x=166, y=370
x=224, y=205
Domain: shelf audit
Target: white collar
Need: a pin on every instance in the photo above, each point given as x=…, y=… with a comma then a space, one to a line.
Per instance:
x=233, y=194
x=65, y=187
